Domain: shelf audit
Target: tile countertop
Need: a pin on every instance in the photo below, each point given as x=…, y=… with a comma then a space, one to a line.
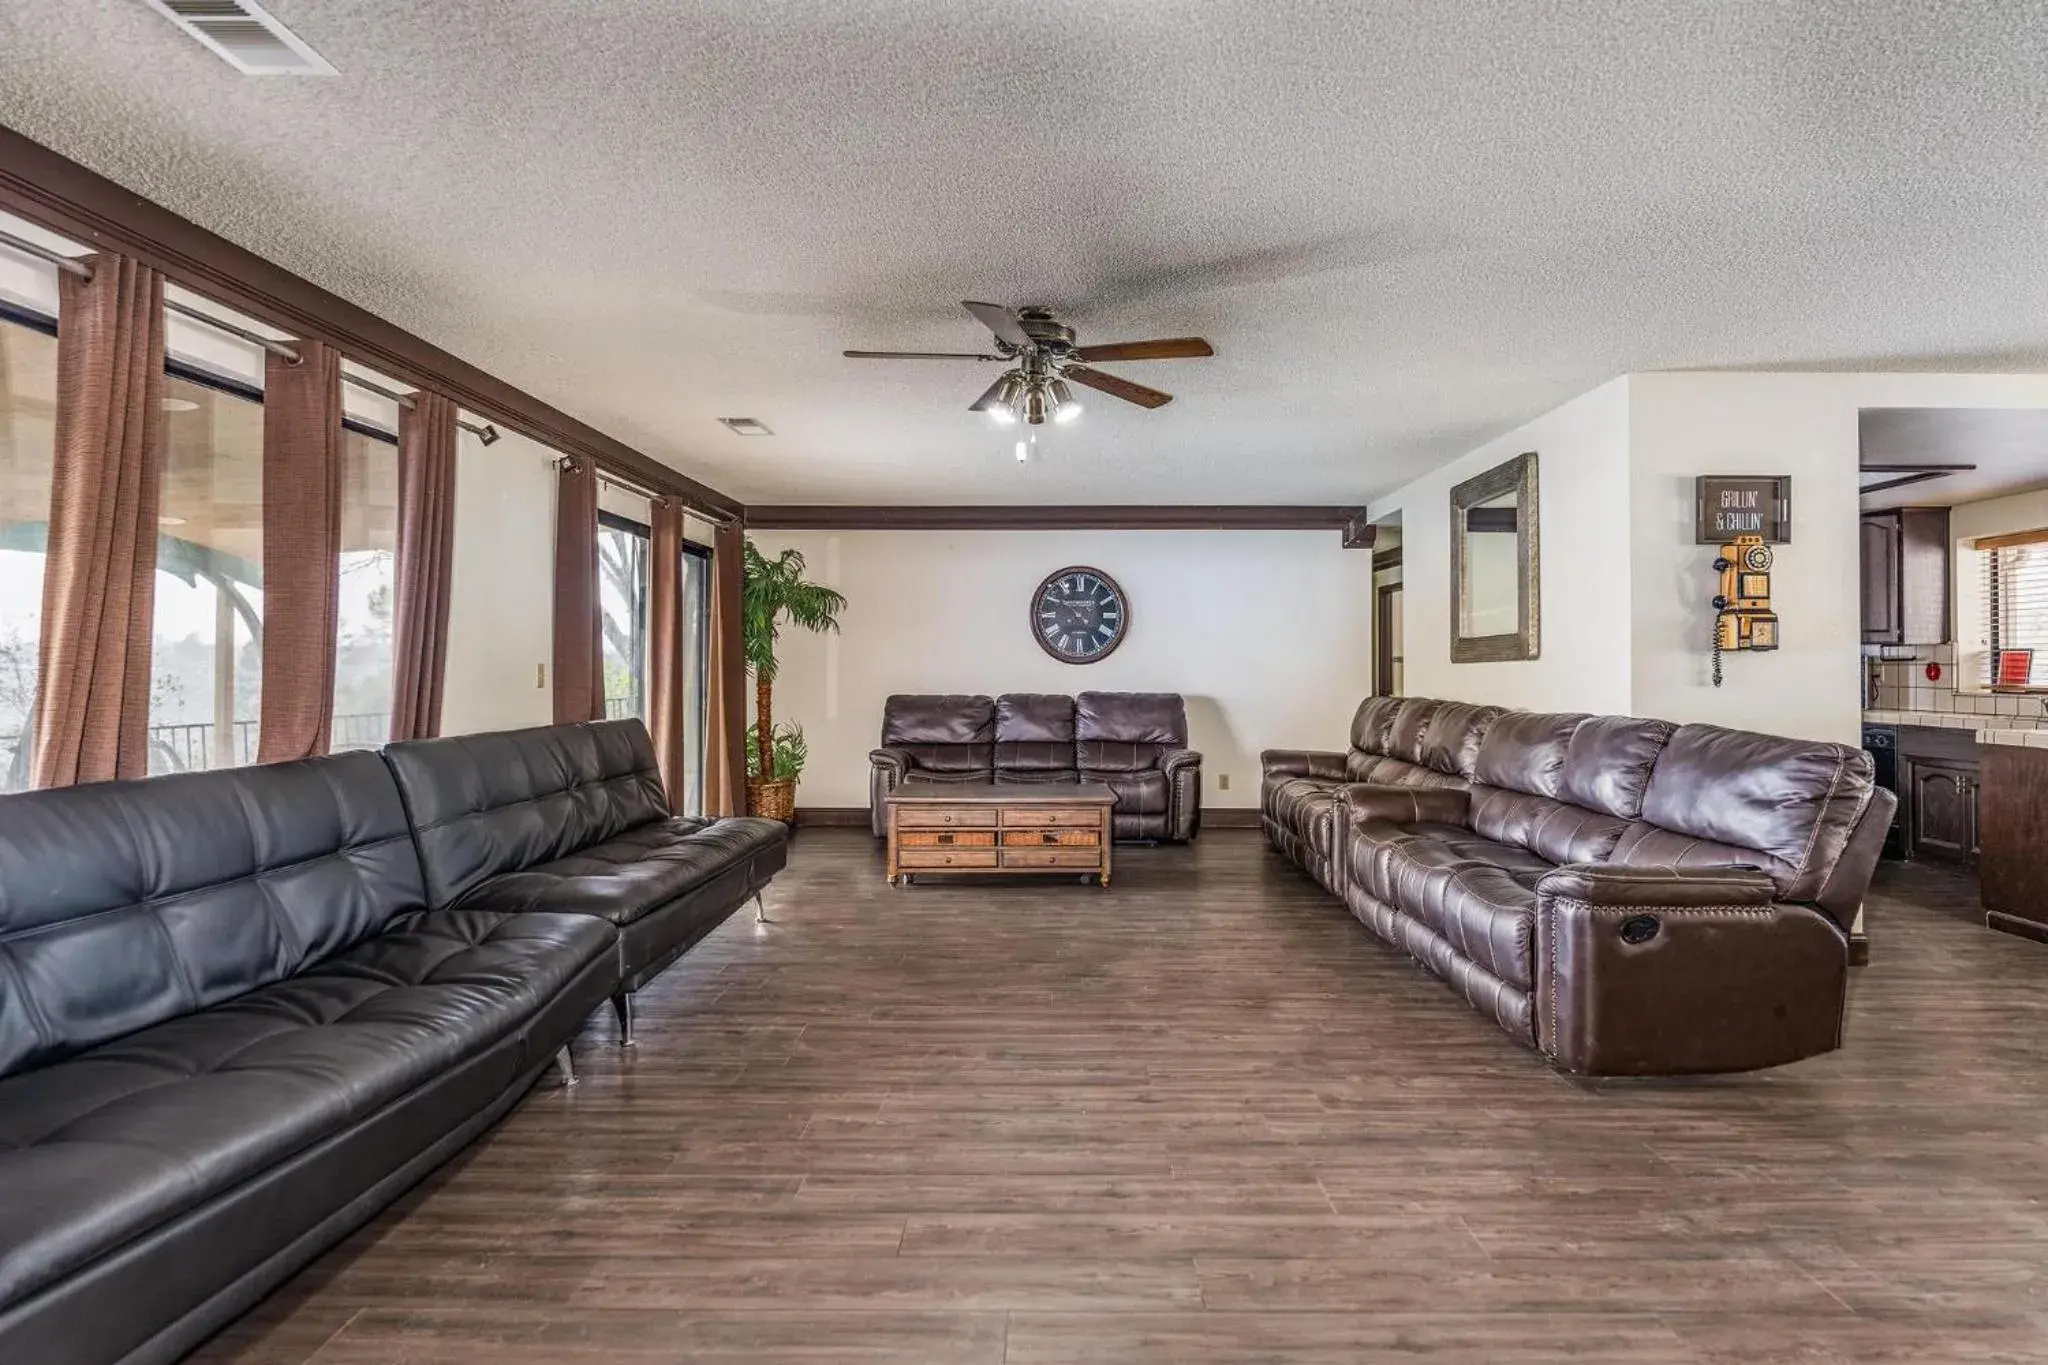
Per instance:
x=1946, y=720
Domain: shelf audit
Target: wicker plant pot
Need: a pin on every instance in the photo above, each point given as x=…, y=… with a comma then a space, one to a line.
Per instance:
x=772, y=799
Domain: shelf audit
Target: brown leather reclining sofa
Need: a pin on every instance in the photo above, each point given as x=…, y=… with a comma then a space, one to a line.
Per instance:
x=1628, y=896
x=1135, y=743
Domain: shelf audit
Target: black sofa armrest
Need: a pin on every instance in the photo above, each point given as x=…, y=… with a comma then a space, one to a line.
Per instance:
x=1315, y=763
x=897, y=762
x=1408, y=805
x=1661, y=971
x=1183, y=769
x=887, y=767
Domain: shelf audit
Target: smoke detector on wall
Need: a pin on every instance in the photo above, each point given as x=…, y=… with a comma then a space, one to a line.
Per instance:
x=245, y=36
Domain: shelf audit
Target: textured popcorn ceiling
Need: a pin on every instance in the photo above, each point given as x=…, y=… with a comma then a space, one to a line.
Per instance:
x=1405, y=226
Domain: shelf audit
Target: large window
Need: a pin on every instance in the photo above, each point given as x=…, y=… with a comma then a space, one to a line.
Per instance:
x=369, y=558
x=2016, y=601
x=206, y=650
x=28, y=410
x=623, y=586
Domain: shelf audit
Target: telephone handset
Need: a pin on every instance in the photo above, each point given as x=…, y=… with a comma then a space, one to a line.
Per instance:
x=1743, y=618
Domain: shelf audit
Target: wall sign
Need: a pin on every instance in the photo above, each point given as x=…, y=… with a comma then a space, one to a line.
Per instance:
x=1731, y=505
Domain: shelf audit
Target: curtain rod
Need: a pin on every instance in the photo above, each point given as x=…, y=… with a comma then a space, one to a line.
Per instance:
x=642, y=491
x=483, y=431
x=486, y=433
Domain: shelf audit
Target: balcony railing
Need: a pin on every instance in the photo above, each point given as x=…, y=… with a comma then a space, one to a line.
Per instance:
x=189, y=748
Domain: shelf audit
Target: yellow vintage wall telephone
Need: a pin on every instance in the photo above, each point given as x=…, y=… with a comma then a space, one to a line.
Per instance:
x=1743, y=618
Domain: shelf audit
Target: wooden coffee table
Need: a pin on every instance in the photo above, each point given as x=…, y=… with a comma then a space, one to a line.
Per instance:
x=1007, y=828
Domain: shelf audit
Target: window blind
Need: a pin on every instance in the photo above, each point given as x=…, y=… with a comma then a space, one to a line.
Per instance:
x=2016, y=607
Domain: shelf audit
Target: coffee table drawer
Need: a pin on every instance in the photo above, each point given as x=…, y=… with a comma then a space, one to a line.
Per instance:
x=1089, y=859
x=946, y=817
x=1017, y=817
x=947, y=838
x=946, y=857
x=1052, y=838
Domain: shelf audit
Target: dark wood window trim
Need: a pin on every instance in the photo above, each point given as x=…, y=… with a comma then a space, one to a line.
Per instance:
x=44, y=187
x=1109, y=517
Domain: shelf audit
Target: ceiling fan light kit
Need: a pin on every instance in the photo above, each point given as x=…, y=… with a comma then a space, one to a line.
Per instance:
x=1043, y=358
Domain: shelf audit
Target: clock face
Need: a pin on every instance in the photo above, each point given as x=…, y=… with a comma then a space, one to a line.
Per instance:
x=1079, y=615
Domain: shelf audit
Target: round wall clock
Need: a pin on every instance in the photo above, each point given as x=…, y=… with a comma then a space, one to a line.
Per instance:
x=1079, y=615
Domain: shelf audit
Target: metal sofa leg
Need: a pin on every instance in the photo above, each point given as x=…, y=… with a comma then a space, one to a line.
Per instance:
x=566, y=1067
x=622, y=1005
x=761, y=908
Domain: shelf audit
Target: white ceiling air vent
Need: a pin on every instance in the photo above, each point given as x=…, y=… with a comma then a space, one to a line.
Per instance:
x=244, y=36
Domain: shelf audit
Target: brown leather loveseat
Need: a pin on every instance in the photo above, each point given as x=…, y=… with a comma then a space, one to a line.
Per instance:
x=1135, y=743
x=1628, y=896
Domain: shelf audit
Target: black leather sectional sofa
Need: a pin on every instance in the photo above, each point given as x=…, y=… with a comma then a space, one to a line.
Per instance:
x=241, y=1011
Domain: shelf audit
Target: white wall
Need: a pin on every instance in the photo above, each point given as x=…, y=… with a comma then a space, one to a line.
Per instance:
x=1582, y=511
x=1267, y=634
x=1626, y=593
x=501, y=594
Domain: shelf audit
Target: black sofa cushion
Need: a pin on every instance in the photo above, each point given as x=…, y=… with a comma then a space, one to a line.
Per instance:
x=103, y=1148
x=630, y=874
x=489, y=804
x=126, y=904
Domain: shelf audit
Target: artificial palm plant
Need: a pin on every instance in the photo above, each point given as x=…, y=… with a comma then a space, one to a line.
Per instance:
x=776, y=590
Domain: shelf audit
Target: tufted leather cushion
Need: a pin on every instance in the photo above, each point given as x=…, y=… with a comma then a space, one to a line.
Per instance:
x=1305, y=808
x=1408, y=727
x=1451, y=743
x=1786, y=805
x=1524, y=751
x=633, y=873
x=1369, y=724
x=492, y=803
x=1558, y=831
x=914, y=719
x=125, y=904
x=118, y=1141
x=1608, y=761
x=1034, y=738
x=1152, y=718
x=1387, y=771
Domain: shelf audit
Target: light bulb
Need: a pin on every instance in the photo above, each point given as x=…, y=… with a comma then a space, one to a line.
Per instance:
x=1067, y=412
x=1023, y=452
x=1002, y=416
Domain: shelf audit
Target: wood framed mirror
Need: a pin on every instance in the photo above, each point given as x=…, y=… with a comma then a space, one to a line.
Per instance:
x=1494, y=571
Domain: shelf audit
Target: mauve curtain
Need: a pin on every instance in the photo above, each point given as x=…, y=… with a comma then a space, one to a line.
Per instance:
x=579, y=649
x=667, y=699
x=725, y=740
x=302, y=489
x=99, y=583
x=426, y=549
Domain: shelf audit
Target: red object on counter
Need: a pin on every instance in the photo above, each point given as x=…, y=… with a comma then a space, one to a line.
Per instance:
x=1934, y=672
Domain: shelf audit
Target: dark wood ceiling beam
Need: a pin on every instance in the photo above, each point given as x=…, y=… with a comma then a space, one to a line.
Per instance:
x=50, y=189
x=1104, y=517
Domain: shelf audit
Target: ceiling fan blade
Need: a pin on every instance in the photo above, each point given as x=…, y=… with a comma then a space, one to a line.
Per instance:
x=988, y=400
x=918, y=355
x=1000, y=320
x=1167, y=348
x=1118, y=388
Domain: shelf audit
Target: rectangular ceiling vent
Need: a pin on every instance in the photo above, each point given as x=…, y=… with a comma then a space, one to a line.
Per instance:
x=242, y=34
x=746, y=426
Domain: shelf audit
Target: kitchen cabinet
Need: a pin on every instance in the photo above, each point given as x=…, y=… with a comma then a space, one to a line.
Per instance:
x=1941, y=809
x=1905, y=557
x=2013, y=875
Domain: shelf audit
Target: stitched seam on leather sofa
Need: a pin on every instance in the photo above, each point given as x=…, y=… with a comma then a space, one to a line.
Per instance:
x=605, y=782
x=1827, y=799
x=21, y=934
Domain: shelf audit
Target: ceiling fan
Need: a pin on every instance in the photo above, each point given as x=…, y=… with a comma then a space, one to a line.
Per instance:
x=1043, y=358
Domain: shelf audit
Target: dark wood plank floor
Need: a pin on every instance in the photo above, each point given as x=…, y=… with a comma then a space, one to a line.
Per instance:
x=1205, y=1117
